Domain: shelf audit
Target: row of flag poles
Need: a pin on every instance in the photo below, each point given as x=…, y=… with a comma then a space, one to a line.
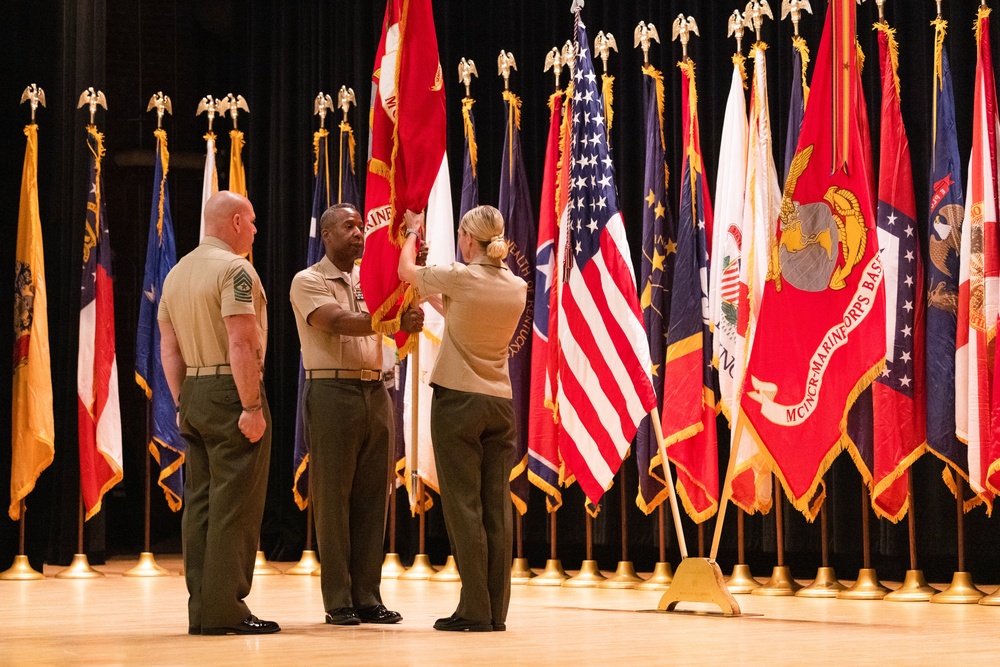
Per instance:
x=799, y=313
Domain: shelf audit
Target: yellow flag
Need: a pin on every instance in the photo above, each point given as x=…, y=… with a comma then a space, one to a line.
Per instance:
x=33, y=428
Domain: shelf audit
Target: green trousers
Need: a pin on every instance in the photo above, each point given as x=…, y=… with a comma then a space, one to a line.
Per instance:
x=350, y=427
x=224, y=489
x=473, y=438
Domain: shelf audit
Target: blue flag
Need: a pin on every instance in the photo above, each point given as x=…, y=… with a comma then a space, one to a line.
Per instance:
x=165, y=442
x=797, y=102
x=470, y=180
x=658, y=253
x=519, y=227
x=945, y=229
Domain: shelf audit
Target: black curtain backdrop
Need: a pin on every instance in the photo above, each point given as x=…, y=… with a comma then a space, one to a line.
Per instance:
x=278, y=55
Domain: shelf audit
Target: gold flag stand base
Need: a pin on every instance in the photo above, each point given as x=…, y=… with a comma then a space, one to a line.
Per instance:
x=520, y=573
x=742, y=582
x=79, y=569
x=392, y=567
x=624, y=577
x=780, y=583
x=588, y=577
x=261, y=568
x=699, y=580
x=553, y=575
x=663, y=576
x=991, y=600
x=21, y=570
x=914, y=589
x=306, y=565
x=420, y=570
x=146, y=567
x=867, y=587
x=961, y=591
x=448, y=573
x=825, y=585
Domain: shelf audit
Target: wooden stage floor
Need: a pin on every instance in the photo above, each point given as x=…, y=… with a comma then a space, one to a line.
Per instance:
x=129, y=621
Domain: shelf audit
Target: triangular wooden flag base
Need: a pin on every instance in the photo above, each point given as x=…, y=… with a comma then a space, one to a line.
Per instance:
x=699, y=580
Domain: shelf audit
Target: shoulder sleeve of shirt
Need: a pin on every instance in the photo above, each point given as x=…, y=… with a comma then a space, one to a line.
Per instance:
x=163, y=310
x=239, y=284
x=310, y=291
x=439, y=279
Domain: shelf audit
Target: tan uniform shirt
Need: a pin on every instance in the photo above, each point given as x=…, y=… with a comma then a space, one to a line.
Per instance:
x=208, y=284
x=483, y=302
x=319, y=285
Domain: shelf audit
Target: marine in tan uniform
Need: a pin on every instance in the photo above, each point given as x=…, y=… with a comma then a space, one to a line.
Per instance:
x=213, y=335
x=472, y=415
x=349, y=421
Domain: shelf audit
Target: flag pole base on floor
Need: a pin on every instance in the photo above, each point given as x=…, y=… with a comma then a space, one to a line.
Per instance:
x=448, y=573
x=553, y=575
x=392, y=567
x=261, y=568
x=780, y=583
x=79, y=569
x=420, y=570
x=961, y=591
x=825, y=585
x=991, y=600
x=306, y=565
x=742, y=582
x=663, y=576
x=867, y=587
x=588, y=577
x=21, y=570
x=146, y=567
x=624, y=577
x=699, y=580
x=520, y=573
x=914, y=589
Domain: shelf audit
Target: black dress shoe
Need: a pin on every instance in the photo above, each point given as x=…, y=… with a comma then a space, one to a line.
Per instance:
x=458, y=624
x=342, y=616
x=499, y=627
x=194, y=629
x=378, y=614
x=251, y=625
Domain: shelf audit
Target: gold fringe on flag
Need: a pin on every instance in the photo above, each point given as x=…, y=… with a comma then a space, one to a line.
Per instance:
x=470, y=132
x=608, y=93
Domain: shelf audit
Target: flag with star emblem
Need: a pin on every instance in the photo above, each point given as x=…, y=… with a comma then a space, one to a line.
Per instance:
x=797, y=98
x=689, y=385
x=519, y=229
x=470, y=164
x=605, y=386
x=947, y=209
x=979, y=276
x=165, y=444
x=99, y=416
x=898, y=393
x=820, y=336
x=658, y=252
x=543, y=450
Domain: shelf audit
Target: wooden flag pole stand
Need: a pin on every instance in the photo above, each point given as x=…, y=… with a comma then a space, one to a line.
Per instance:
x=421, y=568
x=696, y=579
x=826, y=584
x=624, y=576
x=867, y=587
x=781, y=581
x=147, y=566
x=520, y=572
x=663, y=571
x=741, y=582
x=308, y=563
x=961, y=590
x=21, y=569
x=915, y=587
x=80, y=567
x=554, y=573
x=589, y=575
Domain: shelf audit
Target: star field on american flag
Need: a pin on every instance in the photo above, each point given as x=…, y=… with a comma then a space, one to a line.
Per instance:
x=896, y=237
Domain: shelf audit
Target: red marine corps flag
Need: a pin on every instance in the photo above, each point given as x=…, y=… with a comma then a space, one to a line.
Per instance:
x=820, y=338
x=407, y=153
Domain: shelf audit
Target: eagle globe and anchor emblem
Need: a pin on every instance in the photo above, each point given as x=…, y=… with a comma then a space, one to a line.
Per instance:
x=821, y=242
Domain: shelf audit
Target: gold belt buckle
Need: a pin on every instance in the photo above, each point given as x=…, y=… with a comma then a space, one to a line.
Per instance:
x=369, y=375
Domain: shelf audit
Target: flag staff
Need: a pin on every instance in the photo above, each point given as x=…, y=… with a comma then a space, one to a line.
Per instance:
x=392, y=567
x=962, y=590
x=915, y=587
x=825, y=584
x=867, y=586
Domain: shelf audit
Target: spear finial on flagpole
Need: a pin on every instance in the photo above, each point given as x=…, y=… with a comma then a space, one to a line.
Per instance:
x=794, y=8
x=209, y=105
x=232, y=104
x=683, y=27
x=505, y=62
x=644, y=34
x=36, y=96
x=467, y=70
x=554, y=62
x=603, y=44
x=161, y=103
x=737, y=25
x=94, y=99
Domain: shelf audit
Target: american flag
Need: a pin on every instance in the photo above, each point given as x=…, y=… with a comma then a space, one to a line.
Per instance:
x=605, y=386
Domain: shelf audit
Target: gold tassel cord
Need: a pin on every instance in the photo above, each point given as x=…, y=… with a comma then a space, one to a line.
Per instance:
x=470, y=133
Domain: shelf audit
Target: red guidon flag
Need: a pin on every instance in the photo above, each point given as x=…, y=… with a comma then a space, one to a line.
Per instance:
x=407, y=153
x=820, y=337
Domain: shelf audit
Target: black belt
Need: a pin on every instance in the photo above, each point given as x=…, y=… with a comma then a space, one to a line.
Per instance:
x=205, y=371
x=364, y=375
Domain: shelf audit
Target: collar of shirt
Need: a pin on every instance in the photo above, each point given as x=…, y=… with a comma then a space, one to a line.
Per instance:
x=489, y=261
x=217, y=242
